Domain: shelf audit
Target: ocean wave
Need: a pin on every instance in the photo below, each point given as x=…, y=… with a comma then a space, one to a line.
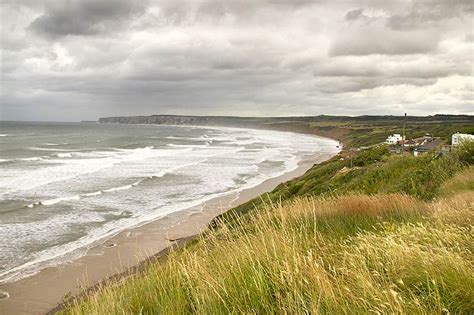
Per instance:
x=54, y=201
x=34, y=158
x=64, y=155
x=177, y=138
x=190, y=146
x=125, y=187
x=67, y=165
x=29, y=159
x=161, y=174
x=38, y=148
x=37, y=158
x=204, y=138
x=93, y=194
x=50, y=202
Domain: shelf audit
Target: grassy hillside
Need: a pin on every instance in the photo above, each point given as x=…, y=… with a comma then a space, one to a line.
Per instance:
x=391, y=235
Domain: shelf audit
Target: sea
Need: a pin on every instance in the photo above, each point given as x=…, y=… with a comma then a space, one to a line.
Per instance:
x=66, y=186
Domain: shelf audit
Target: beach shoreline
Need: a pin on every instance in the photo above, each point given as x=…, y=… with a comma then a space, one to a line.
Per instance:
x=118, y=255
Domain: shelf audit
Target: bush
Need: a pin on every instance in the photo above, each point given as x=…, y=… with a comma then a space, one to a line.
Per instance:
x=465, y=152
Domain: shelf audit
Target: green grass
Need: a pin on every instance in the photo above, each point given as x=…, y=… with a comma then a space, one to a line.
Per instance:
x=391, y=235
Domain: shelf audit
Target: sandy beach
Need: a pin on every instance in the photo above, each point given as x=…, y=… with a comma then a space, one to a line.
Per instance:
x=43, y=291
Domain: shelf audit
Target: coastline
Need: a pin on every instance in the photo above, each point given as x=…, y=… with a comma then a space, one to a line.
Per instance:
x=130, y=248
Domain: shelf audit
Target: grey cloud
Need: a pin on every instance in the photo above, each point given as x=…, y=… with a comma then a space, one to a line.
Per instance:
x=352, y=74
x=402, y=69
x=372, y=40
x=469, y=38
x=183, y=12
x=414, y=28
x=423, y=14
x=346, y=69
x=84, y=17
x=356, y=84
x=354, y=14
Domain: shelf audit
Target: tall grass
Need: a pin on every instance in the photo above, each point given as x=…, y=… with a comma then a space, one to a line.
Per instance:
x=389, y=253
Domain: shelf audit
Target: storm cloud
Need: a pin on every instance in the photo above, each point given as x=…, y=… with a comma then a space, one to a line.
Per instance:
x=82, y=59
x=84, y=17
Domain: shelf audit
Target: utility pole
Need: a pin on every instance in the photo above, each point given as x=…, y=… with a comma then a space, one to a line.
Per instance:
x=403, y=136
x=432, y=140
x=350, y=154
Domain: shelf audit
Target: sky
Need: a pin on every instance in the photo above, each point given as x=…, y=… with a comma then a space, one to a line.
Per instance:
x=71, y=60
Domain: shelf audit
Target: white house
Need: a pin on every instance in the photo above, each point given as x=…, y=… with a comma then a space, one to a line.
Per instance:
x=394, y=139
x=457, y=138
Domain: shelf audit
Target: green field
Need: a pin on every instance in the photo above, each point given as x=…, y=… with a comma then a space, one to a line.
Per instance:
x=392, y=234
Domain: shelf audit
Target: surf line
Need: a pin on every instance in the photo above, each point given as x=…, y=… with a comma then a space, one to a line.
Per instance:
x=50, y=202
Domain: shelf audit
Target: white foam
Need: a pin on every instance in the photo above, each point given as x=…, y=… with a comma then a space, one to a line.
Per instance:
x=57, y=200
x=64, y=155
x=118, y=188
x=93, y=194
x=30, y=159
x=34, y=158
x=51, y=149
x=191, y=146
x=77, y=163
x=54, y=201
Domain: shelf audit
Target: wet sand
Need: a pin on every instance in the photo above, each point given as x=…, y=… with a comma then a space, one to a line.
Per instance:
x=43, y=291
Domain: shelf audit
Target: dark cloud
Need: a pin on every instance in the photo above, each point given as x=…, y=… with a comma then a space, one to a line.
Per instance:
x=354, y=14
x=357, y=84
x=372, y=40
x=469, y=38
x=420, y=68
x=424, y=14
x=416, y=28
x=84, y=17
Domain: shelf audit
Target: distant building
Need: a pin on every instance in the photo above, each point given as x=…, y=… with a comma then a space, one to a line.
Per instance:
x=394, y=139
x=426, y=147
x=410, y=143
x=418, y=151
x=457, y=138
x=417, y=141
x=395, y=150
